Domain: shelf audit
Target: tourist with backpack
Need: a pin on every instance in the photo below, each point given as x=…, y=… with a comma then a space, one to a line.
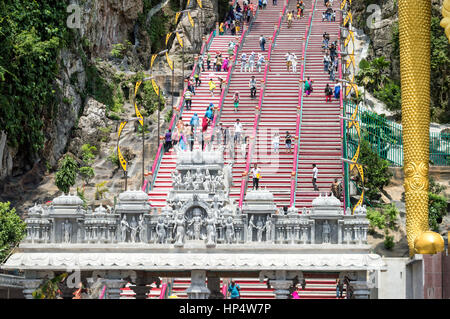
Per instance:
x=194, y=122
x=262, y=42
x=243, y=60
x=337, y=90
x=212, y=86
x=276, y=142
x=188, y=99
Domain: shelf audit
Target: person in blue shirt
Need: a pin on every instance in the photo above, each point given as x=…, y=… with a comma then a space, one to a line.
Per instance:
x=234, y=289
x=195, y=121
x=337, y=90
x=209, y=111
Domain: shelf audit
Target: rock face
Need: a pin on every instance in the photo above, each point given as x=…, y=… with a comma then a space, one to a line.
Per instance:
x=108, y=22
x=6, y=158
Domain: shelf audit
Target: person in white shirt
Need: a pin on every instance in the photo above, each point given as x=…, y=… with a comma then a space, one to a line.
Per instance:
x=251, y=61
x=314, y=179
x=261, y=61
x=237, y=131
x=243, y=60
x=256, y=173
x=288, y=61
x=294, y=63
x=276, y=142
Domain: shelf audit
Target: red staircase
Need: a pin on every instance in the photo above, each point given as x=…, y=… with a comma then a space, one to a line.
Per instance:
x=279, y=109
x=320, y=134
x=263, y=25
x=200, y=102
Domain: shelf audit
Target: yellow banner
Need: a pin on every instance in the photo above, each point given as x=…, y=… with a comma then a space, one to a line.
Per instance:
x=348, y=17
x=355, y=158
x=138, y=114
x=122, y=160
x=168, y=37
x=190, y=19
x=200, y=3
x=187, y=4
x=343, y=4
x=177, y=15
x=153, y=60
x=180, y=40
x=169, y=61
x=138, y=84
x=122, y=125
x=350, y=36
x=155, y=87
x=359, y=203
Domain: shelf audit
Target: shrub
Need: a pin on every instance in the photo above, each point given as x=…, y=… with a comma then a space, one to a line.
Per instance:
x=87, y=153
x=12, y=229
x=66, y=174
x=87, y=174
x=100, y=190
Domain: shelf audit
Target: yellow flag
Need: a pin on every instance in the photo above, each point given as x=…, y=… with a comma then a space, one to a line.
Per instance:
x=138, y=84
x=169, y=61
x=122, y=160
x=360, y=201
x=350, y=36
x=122, y=125
x=348, y=17
x=138, y=114
x=190, y=19
x=343, y=4
x=199, y=3
x=153, y=60
x=168, y=37
x=177, y=15
x=155, y=87
x=187, y=5
x=180, y=40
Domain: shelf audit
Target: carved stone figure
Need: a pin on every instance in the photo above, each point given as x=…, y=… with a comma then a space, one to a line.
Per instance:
x=67, y=231
x=268, y=228
x=259, y=229
x=187, y=181
x=176, y=180
x=161, y=231
x=196, y=223
x=79, y=234
x=210, y=230
x=123, y=228
x=180, y=230
x=215, y=207
x=207, y=184
x=199, y=179
x=142, y=230
x=229, y=230
x=250, y=229
x=304, y=235
x=326, y=232
x=219, y=181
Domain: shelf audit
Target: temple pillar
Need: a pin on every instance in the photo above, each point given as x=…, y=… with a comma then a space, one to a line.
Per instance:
x=198, y=289
x=281, y=288
x=30, y=286
x=214, y=287
x=360, y=290
x=113, y=288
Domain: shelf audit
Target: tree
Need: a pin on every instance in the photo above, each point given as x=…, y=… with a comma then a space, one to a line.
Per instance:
x=437, y=205
x=66, y=174
x=51, y=288
x=376, y=171
x=12, y=229
x=88, y=153
x=87, y=174
x=384, y=219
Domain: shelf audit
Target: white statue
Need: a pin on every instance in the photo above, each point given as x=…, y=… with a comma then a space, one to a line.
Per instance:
x=229, y=230
x=326, y=232
x=179, y=229
x=304, y=235
x=67, y=231
x=133, y=228
x=259, y=229
x=199, y=179
x=142, y=229
x=207, y=184
x=123, y=228
x=219, y=181
x=210, y=230
x=268, y=228
x=250, y=229
x=197, y=223
x=176, y=180
x=161, y=231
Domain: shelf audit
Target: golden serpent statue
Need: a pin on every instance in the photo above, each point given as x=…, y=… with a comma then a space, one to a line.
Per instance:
x=415, y=70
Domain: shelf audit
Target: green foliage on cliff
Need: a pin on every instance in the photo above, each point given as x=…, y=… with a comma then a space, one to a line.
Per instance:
x=437, y=205
x=31, y=34
x=376, y=171
x=66, y=174
x=383, y=218
x=12, y=229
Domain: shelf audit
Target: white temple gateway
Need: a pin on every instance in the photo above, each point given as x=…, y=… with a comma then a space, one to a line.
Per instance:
x=199, y=233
